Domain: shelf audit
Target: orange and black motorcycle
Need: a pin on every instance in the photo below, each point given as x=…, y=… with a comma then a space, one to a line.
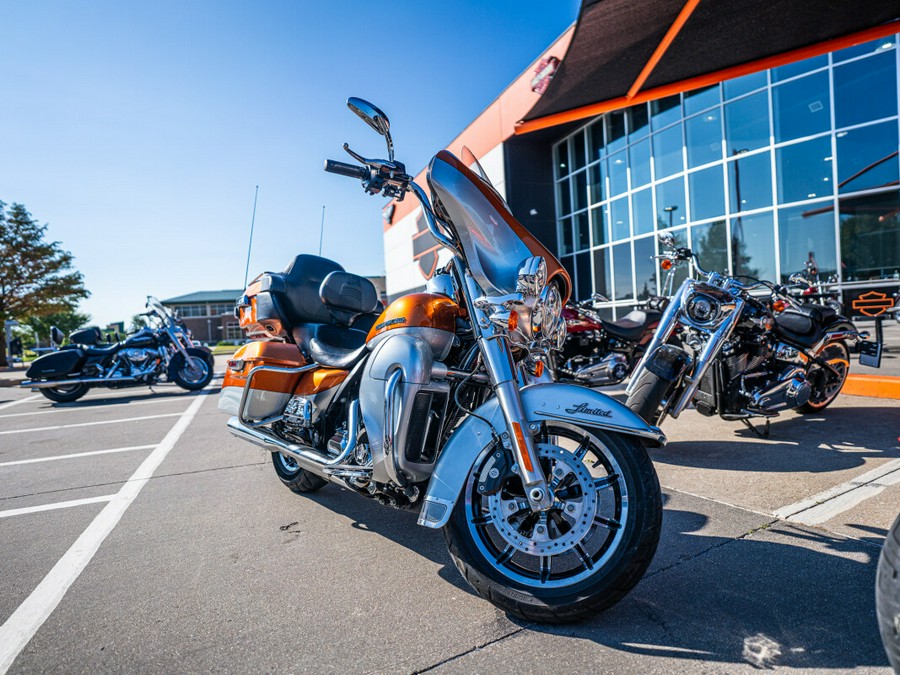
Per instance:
x=441, y=402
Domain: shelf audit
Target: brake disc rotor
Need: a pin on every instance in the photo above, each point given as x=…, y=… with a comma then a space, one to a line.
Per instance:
x=564, y=524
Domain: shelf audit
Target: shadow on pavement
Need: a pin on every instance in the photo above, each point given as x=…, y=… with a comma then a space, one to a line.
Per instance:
x=146, y=394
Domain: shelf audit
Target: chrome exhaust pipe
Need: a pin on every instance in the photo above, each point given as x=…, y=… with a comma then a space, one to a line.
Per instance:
x=48, y=384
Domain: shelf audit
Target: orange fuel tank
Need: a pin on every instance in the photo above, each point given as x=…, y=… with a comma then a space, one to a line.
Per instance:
x=417, y=310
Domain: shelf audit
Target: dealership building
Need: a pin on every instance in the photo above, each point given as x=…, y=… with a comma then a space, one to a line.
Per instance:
x=760, y=161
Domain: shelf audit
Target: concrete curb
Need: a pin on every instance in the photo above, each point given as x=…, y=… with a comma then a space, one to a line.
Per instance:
x=873, y=386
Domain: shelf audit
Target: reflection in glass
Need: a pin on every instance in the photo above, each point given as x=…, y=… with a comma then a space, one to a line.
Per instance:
x=747, y=123
x=582, y=231
x=579, y=189
x=804, y=170
x=753, y=245
x=622, y=266
x=645, y=267
x=801, y=107
x=665, y=111
x=670, y=203
x=642, y=207
x=615, y=131
x=804, y=233
x=750, y=182
x=867, y=157
x=639, y=158
x=703, y=136
x=618, y=173
x=679, y=272
x=597, y=184
x=598, y=226
x=873, y=47
x=561, y=158
x=667, y=152
x=603, y=272
x=563, y=198
x=870, y=237
x=790, y=70
x=701, y=99
x=707, y=189
x=710, y=243
x=744, y=85
x=582, y=276
x=565, y=236
x=638, y=122
x=865, y=90
x=576, y=151
x=595, y=138
x=618, y=219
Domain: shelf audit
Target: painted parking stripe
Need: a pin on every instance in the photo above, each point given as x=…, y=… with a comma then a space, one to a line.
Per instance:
x=826, y=505
x=111, y=406
x=21, y=400
x=35, y=460
x=91, y=424
x=9, y=513
x=31, y=614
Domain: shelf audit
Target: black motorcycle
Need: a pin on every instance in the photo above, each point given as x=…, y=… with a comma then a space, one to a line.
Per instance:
x=598, y=352
x=164, y=351
x=742, y=348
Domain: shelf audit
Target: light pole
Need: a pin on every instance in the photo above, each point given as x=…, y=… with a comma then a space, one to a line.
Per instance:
x=670, y=210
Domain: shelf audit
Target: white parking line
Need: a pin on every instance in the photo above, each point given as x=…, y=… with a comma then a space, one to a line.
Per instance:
x=52, y=507
x=167, y=399
x=826, y=505
x=21, y=400
x=31, y=614
x=77, y=454
x=91, y=424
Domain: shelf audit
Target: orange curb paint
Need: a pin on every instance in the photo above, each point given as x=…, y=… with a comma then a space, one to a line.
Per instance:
x=875, y=386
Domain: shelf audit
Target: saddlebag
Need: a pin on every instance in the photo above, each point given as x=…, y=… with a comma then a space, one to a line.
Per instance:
x=56, y=364
x=270, y=390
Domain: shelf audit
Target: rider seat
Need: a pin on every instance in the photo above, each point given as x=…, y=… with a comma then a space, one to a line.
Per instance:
x=633, y=325
x=805, y=325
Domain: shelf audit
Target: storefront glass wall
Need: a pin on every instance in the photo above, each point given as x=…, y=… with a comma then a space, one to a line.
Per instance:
x=756, y=175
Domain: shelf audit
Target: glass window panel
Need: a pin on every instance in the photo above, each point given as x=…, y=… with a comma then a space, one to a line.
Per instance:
x=804, y=233
x=645, y=267
x=707, y=188
x=618, y=219
x=701, y=99
x=583, y=275
x=595, y=135
x=576, y=151
x=798, y=68
x=622, y=266
x=670, y=203
x=565, y=236
x=864, y=157
x=665, y=111
x=582, y=231
x=561, y=158
x=744, y=85
x=638, y=122
x=870, y=237
x=568, y=262
x=618, y=173
x=642, y=206
x=679, y=272
x=639, y=159
x=603, y=272
x=804, y=170
x=615, y=131
x=703, y=137
x=667, y=152
x=753, y=246
x=865, y=90
x=750, y=182
x=872, y=47
x=710, y=243
x=801, y=107
x=563, y=197
x=597, y=183
x=579, y=187
x=598, y=226
x=747, y=123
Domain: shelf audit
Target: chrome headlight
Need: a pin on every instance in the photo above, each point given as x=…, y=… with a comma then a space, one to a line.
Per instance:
x=703, y=309
x=532, y=276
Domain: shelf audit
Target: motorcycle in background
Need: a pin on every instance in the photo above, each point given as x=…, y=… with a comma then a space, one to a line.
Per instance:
x=743, y=348
x=549, y=503
x=813, y=290
x=598, y=352
x=164, y=351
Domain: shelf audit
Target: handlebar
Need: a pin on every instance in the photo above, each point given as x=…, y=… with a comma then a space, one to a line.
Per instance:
x=344, y=169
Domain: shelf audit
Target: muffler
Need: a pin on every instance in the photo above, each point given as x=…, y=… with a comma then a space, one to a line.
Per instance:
x=47, y=384
x=611, y=369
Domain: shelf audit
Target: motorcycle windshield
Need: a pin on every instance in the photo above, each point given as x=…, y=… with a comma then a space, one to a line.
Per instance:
x=494, y=243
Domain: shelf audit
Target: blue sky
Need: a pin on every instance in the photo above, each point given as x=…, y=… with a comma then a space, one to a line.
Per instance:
x=138, y=130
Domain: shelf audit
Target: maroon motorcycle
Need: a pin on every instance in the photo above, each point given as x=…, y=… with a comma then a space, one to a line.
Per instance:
x=598, y=352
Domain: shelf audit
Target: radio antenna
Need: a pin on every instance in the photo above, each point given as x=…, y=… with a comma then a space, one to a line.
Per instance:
x=250, y=245
x=322, y=231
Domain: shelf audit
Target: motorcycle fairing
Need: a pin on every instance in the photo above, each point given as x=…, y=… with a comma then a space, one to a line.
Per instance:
x=542, y=403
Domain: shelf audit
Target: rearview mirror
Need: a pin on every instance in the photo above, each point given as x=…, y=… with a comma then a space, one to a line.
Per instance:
x=375, y=118
x=667, y=239
x=800, y=279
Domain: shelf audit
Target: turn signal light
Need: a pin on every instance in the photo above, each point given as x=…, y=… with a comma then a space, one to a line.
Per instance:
x=236, y=365
x=538, y=368
x=779, y=306
x=665, y=264
x=513, y=322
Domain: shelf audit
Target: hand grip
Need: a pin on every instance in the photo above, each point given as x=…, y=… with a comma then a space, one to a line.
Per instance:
x=349, y=170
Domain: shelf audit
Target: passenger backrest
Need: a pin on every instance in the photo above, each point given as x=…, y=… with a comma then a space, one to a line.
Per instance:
x=347, y=296
x=296, y=289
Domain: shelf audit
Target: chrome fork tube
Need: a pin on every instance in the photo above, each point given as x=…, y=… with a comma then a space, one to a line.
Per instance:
x=663, y=333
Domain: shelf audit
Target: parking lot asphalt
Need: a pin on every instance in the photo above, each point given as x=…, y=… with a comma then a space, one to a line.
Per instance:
x=137, y=535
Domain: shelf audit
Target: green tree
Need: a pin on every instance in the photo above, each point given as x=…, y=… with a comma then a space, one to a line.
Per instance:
x=37, y=277
x=138, y=321
x=65, y=321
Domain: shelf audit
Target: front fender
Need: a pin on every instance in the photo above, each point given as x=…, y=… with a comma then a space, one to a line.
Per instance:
x=541, y=402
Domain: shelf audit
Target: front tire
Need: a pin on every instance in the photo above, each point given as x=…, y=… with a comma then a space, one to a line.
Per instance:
x=826, y=386
x=580, y=557
x=187, y=377
x=293, y=477
x=647, y=397
x=887, y=595
x=66, y=393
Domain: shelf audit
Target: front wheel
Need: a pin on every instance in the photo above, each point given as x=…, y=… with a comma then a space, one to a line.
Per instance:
x=579, y=557
x=186, y=376
x=647, y=396
x=65, y=393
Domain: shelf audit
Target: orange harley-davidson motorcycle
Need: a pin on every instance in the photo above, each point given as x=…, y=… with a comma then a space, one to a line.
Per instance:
x=440, y=403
